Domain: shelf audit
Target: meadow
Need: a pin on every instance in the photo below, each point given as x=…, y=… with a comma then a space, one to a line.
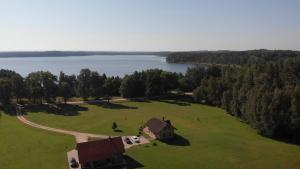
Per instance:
x=208, y=138
x=29, y=148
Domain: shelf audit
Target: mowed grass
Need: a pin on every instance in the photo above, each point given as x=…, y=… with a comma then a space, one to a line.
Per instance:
x=209, y=138
x=23, y=147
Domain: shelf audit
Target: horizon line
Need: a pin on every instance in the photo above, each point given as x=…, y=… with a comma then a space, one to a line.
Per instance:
x=148, y=51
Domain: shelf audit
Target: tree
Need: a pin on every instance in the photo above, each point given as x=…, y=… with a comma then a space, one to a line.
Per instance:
x=169, y=81
x=279, y=109
x=96, y=85
x=16, y=81
x=235, y=104
x=49, y=86
x=214, y=91
x=41, y=85
x=67, y=85
x=265, y=122
x=114, y=126
x=18, y=86
x=226, y=100
x=213, y=71
x=154, y=85
x=84, y=85
x=200, y=94
x=133, y=85
x=5, y=91
x=194, y=76
x=295, y=113
x=111, y=87
x=126, y=88
x=34, y=86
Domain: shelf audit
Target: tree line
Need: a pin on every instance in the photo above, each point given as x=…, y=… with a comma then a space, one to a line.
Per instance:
x=231, y=57
x=44, y=86
x=265, y=95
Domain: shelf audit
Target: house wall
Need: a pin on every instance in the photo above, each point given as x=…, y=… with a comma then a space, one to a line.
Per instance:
x=147, y=131
x=166, y=133
x=117, y=160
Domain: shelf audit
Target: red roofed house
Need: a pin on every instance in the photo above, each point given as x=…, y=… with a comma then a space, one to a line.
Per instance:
x=101, y=153
x=159, y=129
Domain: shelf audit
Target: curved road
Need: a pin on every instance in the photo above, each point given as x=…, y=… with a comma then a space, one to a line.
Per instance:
x=80, y=137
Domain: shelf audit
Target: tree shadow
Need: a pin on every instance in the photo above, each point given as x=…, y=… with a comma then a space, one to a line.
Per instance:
x=118, y=131
x=142, y=100
x=177, y=102
x=9, y=110
x=177, y=140
x=113, y=105
x=57, y=109
x=286, y=137
x=180, y=100
x=132, y=163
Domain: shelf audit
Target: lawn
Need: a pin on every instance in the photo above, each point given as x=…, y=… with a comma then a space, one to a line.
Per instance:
x=22, y=147
x=208, y=137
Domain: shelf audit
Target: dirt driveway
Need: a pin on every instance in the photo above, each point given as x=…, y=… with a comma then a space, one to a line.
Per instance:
x=80, y=137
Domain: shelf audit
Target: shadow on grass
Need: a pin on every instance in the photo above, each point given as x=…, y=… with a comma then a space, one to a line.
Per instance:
x=177, y=141
x=142, y=100
x=132, y=163
x=9, y=110
x=118, y=131
x=180, y=100
x=177, y=102
x=57, y=109
x=112, y=105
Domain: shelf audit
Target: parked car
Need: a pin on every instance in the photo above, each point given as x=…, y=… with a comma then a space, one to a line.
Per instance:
x=136, y=139
x=128, y=142
x=74, y=163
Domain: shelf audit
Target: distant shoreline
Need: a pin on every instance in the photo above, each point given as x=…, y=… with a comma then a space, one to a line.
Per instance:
x=72, y=53
x=18, y=54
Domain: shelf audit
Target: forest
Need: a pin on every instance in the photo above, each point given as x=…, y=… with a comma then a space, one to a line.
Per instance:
x=231, y=57
x=265, y=93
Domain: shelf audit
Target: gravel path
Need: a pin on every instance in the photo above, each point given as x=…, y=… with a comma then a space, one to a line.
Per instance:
x=80, y=137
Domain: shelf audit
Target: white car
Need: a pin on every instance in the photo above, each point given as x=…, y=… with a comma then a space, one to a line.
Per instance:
x=135, y=139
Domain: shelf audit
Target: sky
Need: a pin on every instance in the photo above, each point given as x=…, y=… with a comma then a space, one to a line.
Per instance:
x=149, y=25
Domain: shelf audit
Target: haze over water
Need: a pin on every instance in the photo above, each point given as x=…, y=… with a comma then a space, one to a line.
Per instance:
x=111, y=65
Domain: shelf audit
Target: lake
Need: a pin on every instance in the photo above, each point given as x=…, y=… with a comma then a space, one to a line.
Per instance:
x=111, y=65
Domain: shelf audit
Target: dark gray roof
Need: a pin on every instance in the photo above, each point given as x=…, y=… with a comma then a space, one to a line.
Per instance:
x=155, y=125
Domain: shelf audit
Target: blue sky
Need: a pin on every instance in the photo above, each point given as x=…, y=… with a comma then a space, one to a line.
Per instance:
x=149, y=25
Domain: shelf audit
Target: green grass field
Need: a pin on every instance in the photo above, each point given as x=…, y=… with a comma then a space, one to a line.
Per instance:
x=209, y=138
x=22, y=147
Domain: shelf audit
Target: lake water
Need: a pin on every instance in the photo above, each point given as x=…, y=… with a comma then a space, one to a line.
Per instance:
x=112, y=65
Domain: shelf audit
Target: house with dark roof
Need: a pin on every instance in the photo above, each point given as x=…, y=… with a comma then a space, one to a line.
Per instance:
x=159, y=129
x=100, y=154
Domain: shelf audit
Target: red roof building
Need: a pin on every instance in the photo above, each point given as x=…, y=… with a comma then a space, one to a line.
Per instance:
x=100, y=150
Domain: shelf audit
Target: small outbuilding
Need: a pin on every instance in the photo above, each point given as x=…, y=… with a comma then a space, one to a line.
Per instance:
x=159, y=129
x=107, y=153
